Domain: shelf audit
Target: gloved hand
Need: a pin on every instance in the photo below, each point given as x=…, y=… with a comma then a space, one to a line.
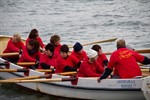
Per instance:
x=36, y=64
x=52, y=68
x=20, y=51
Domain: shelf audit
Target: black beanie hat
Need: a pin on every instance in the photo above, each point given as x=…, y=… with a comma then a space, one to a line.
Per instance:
x=77, y=47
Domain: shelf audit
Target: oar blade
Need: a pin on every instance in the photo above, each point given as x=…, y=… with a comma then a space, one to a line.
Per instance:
x=96, y=42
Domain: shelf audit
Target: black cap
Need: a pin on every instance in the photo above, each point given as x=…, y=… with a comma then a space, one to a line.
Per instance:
x=77, y=47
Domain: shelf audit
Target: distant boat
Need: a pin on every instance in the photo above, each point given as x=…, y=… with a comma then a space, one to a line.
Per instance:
x=86, y=88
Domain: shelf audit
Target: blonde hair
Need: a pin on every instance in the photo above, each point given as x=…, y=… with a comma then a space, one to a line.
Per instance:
x=16, y=37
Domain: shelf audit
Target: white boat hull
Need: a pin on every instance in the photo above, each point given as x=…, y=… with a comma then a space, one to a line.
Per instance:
x=87, y=88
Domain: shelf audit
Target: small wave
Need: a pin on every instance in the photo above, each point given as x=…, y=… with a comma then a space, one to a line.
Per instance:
x=132, y=23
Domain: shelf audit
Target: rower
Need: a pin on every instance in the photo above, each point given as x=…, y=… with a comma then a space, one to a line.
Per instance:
x=124, y=61
x=14, y=45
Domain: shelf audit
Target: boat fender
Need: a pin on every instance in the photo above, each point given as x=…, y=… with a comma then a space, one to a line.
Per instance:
x=146, y=88
x=49, y=75
x=7, y=66
x=26, y=73
x=74, y=82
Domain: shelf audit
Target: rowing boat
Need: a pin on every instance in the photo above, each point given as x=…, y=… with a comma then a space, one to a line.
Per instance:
x=85, y=88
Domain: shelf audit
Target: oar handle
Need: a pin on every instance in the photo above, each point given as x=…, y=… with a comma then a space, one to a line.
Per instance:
x=67, y=73
x=25, y=63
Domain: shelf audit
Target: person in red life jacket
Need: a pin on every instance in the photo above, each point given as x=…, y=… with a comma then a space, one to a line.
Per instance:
x=102, y=59
x=66, y=62
x=35, y=35
x=47, y=60
x=55, y=40
x=124, y=61
x=115, y=73
x=31, y=53
x=78, y=51
x=90, y=66
x=14, y=45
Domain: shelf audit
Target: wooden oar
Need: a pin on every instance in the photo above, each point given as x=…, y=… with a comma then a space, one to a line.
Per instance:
x=9, y=54
x=38, y=80
x=13, y=70
x=44, y=70
x=139, y=51
x=96, y=42
x=67, y=73
x=25, y=63
x=31, y=77
x=44, y=76
x=143, y=51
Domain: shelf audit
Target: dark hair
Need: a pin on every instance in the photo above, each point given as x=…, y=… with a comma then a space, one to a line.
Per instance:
x=49, y=47
x=33, y=34
x=54, y=39
x=96, y=47
x=64, y=48
x=35, y=44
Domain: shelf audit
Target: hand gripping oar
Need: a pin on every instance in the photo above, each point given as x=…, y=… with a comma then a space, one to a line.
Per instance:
x=25, y=63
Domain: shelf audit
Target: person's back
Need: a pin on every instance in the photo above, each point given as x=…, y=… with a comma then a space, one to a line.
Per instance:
x=125, y=62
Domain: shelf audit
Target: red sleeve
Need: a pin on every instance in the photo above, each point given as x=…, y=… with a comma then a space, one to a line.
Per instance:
x=75, y=60
x=26, y=56
x=138, y=57
x=41, y=42
x=60, y=65
x=22, y=45
x=42, y=58
x=99, y=68
x=112, y=62
x=85, y=55
x=104, y=57
x=87, y=71
x=11, y=47
x=27, y=41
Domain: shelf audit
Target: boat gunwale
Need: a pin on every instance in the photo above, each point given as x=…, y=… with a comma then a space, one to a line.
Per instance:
x=84, y=88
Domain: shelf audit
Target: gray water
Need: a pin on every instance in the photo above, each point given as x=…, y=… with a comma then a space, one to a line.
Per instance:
x=76, y=20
